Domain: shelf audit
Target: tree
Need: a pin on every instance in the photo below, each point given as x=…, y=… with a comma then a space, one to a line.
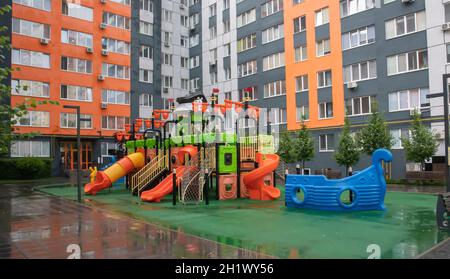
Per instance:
x=285, y=151
x=421, y=144
x=375, y=135
x=304, y=146
x=348, y=153
x=10, y=113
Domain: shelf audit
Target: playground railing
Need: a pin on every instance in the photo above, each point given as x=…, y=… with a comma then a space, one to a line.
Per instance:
x=248, y=148
x=151, y=170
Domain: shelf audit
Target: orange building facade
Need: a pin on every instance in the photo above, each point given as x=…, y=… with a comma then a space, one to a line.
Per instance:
x=62, y=59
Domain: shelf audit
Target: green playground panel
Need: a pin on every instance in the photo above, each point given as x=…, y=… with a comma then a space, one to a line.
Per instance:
x=228, y=138
x=227, y=159
x=150, y=143
x=130, y=144
x=140, y=144
x=131, y=151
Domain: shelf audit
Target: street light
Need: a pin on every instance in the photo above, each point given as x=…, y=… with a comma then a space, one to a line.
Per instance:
x=77, y=108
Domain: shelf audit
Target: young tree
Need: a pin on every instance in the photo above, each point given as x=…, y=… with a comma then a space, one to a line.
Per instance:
x=348, y=153
x=375, y=135
x=10, y=113
x=304, y=146
x=421, y=145
x=286, y=148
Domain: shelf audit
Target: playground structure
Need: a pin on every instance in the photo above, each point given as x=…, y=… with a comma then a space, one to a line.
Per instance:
x=366, y=189
x=185, y=160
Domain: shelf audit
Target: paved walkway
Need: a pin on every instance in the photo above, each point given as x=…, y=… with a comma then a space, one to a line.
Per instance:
x=35, y=225
x=440, y=251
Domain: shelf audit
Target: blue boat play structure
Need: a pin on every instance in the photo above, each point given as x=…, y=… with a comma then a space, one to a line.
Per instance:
x=368, y=188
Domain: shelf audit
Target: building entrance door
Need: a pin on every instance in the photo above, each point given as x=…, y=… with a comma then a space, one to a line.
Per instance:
x=69, y=155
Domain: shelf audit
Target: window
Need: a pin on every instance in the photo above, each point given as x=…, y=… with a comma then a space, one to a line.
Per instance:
x=184, y=41
x=359, y=37
x=326, y=143
x=226, y=26
x=409, y=99
x=76, y=65
x=194, y=19
x=324, y=79
x=194, y=62
x=167, y=81
x=246, y=43
x=114, y=122
x=167, y=37
x=246, y=18
x=30, y=88
x=301, y=83
x=117, y=46
x=115, y=71
x=247, y=93
x=145, y=100
x=167, y=59
x=77, y=11
x=146, y=28
x=227, y=73
x=247, y=68
x=405, y=25
x=27, y=148
x=30, y=58
x=213, y=31
x=323, y=47
x=273, y=61
x=146, y=52
x=271, y=7
x=184, y=61
x=184, y=21
x=213, y=77
x=227, y=95
x=30, y=28
x=300, y=24
x=302, y=113
x=448, y=53
x=124, y=2
x=145, y=76
x=359, y=106
x=213, y=10
x=166, y=15
x=194, y=84
x=360, y=71
x=350, y=7
x=76, y=38
x=300, y=53
x=276, y=88
x=325, y=110
x=115, y=97
x=277, y=116
x=76, y=93
x=194, y=40
x=45, y=5
x=272, y=34
x=146, y=5
x=397, y=136
x=322, y=16
x=108, y=148
x=295, y=2
x=34, y=119
x=118, y=21
x=447, y=12
x=407, y=62
x=69, y=120
x=184, y=84
x=226, y=4
x=227, y=50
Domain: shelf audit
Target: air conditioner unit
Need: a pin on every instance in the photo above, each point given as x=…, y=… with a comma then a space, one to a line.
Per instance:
x=439, y=136
x=103, y=25
x=407, y=1
x=101, y=77
x=89, y=50
x=45, y=41
x=352, y=85
x=446, y=26
x=104, y=106
x=165, y=90
x=104, y=52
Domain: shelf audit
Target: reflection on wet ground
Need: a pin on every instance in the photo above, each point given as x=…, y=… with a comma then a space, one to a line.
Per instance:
x=35, y=225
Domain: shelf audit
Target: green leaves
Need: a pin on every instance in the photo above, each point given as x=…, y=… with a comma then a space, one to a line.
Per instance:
x=348, y=152
x=375, y=135
x=297, y=149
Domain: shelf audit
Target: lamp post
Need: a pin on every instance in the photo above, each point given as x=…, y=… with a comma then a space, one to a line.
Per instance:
x=77, y=108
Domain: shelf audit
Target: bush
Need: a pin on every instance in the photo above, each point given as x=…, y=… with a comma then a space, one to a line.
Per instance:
x=25, y=168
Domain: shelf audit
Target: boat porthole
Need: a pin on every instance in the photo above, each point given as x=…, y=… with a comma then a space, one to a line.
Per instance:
x=347, y=197
x=299, y=194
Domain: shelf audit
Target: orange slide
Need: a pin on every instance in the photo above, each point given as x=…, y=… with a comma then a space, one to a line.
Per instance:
x=104, y=179
x=166, y=186
x=254, y=180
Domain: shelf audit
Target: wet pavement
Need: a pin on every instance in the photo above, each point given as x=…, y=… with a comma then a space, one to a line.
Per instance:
x=440, y=251
x=36, y=225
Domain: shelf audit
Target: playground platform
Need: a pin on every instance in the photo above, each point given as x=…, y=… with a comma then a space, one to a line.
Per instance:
x=406, y=230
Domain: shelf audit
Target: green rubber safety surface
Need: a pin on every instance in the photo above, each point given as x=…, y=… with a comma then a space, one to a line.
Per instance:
x=405, y=230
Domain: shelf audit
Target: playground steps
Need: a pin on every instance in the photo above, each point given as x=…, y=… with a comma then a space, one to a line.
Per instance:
x=151, y=172
x=152, y=183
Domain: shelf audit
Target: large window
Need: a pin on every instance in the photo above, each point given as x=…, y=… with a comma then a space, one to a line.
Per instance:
x=248, y=68
x=271, y=7
x=246, y=43
x=27, y=148
x=116, y=20
x=359, y=37
x=146, y=28
x=397, y=136
x=76, y=65
x=322, y=16
x=360, y=71
x=115, y=97
x=359, y=106
x=299, y=24
x=273, y=61
x=302, y=113
x=145, y=100
x=146, y=52
x=326, y=143
x=76, y=93
x=146, y=5
x=301, y=83
x=77, y=11
x=409, y=99
x=114, y=45
x=350, y=7
x=247, y=93
x=114, y=122
x=69, y=120
x=30, y=28
x=323, y=47
x=324, y=79
x=272, y=34
x=300, y=53
x=407, y=62
x=30, y=88
x=115, y=71
x=246, y=18
x=405, y=24
x=45, y=5
x=276, y=88
x=34, y=119
x=30, y=58
x=76, y=38
x=145, y=76
x=325, y=110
